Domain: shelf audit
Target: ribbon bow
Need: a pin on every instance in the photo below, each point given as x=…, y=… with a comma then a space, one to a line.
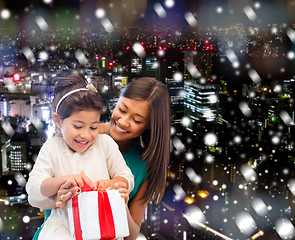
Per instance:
x=105, y=214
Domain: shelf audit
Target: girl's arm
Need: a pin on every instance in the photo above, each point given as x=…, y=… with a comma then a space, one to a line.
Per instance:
x=50, y=186
x=48, y=203
x=135, y=212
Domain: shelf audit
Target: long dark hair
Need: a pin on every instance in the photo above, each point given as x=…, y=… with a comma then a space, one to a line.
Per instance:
x=78, y=101
x=157, y=138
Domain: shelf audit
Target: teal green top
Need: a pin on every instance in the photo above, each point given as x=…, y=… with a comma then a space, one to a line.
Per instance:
x=138, y=168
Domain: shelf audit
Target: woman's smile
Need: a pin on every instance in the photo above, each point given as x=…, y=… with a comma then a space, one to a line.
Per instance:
x=119, y=129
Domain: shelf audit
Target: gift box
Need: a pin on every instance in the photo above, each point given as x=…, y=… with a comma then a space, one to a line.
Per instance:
x=96, y=214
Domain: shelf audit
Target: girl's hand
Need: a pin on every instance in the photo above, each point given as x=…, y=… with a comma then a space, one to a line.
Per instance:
x=112, y=184
x=71, y=186
x=65, y=192
x=105, y=184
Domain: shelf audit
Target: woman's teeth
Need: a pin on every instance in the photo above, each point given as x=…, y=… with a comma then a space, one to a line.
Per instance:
x=120, y=129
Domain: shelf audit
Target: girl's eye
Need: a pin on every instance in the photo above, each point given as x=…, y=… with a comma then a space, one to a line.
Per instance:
x=93, y=128
x=121, y=110
x=77, y=127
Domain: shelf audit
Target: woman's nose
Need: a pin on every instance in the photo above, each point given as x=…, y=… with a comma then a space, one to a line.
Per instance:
x=123, y=122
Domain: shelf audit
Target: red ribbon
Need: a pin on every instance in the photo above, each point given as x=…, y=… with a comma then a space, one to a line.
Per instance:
x=106, y=220
x=76, y=217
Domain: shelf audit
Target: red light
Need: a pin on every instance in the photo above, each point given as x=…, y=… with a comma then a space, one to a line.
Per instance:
x=16, y=77
x=206, y=41
x=96, y=57
x=111, y=64
x=128, y=47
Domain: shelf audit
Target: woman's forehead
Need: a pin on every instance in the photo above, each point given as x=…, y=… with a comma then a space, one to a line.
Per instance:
x=138, y=106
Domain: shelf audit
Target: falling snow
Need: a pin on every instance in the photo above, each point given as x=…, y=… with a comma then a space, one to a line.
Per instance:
x=236, y=176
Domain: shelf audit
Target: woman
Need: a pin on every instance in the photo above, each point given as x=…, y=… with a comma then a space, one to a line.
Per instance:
x=140, y=124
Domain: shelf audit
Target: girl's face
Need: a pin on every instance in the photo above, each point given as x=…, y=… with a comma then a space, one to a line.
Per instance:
x=80, y=130
x=130, y=118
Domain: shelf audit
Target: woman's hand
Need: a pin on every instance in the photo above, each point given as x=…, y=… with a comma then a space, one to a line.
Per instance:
x=114, y=184
x=123, y=190
x=104, y=128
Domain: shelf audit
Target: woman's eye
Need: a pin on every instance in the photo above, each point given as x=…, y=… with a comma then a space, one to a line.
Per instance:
x=93, y=128
x=121, y=110
x=77, y=127
x=137, y=122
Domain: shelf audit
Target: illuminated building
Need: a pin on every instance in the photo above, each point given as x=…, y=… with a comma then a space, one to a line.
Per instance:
x=176, y=91
x=17, y=159
x=13, y=157
x=174, y=81
x=136, y=66
x=200, y=102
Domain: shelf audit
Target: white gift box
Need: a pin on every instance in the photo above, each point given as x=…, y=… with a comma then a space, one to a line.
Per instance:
x=98, y=215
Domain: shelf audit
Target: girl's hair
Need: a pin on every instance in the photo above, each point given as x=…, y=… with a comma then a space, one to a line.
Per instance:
x=77, y=101
x=157, y=138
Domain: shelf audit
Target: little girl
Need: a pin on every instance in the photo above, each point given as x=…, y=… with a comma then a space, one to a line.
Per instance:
x=78, y=152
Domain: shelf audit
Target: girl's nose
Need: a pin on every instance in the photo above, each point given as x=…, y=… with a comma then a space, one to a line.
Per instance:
x=85, y=134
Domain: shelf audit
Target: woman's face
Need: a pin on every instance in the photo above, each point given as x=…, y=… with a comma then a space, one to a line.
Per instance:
x=130, y=118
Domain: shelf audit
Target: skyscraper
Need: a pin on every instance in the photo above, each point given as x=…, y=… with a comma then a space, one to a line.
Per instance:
x=200, y=102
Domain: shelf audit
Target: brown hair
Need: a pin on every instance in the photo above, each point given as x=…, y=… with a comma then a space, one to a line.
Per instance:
x=157, y=138
x=78, y=101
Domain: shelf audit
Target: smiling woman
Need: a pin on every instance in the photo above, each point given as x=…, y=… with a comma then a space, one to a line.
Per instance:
x=129, y=120
x=143, y=113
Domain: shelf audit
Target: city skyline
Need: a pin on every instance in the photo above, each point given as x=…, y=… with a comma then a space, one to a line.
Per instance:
x=229, y=68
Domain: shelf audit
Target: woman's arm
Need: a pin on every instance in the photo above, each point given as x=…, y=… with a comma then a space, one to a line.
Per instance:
x=135, y=212
x=104, y=128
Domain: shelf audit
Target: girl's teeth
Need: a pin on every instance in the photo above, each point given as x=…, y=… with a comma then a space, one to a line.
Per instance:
x=83, y=143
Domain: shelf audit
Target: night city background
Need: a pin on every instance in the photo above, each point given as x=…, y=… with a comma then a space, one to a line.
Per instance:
x=229, y=67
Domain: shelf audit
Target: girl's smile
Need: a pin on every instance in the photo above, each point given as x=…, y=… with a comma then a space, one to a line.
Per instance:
x=80, y=130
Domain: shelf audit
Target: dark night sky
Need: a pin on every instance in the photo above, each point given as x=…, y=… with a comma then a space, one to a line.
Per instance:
x=271, y=11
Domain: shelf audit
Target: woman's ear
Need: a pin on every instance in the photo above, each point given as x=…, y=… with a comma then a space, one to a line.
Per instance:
x=56, y=119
